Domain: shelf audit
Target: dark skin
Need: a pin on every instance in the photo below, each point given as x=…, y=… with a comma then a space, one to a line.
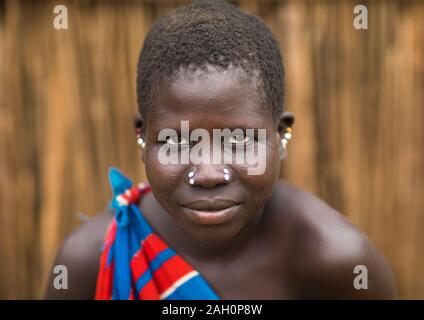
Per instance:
x=282, y=243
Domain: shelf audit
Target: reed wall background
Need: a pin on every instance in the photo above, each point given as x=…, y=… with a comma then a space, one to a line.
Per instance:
x=68, y=98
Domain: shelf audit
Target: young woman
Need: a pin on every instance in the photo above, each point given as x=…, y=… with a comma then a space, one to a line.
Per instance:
x=215, y=230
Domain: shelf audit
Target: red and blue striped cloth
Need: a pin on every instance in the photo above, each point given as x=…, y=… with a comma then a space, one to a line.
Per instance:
x=135, y=262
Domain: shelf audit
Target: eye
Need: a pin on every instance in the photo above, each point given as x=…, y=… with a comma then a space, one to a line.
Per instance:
x=239, y=140
x=177, y=141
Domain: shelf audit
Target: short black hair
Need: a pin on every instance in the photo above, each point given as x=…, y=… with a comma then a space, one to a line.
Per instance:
x=216, y=33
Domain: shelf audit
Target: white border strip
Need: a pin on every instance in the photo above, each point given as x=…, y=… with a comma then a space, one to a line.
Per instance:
x=178, y=283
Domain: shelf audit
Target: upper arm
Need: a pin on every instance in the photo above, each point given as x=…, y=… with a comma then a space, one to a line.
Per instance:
x=350, y=268
x=361, y=273
x=80, y=255
x=333, y=259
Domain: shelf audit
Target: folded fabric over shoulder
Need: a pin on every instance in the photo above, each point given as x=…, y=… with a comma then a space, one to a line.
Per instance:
x=135, y=262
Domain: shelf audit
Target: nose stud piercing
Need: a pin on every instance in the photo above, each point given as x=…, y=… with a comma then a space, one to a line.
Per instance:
x=226, y=172
x=191, y=175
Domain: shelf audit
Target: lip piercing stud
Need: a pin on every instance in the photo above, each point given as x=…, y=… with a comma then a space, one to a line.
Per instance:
x=226, y=174
x=190, y=175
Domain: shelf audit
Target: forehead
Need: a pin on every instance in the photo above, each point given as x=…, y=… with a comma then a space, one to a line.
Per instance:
x=223, y=98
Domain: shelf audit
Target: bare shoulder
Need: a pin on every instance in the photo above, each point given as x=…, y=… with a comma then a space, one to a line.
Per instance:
x=80, y=254
x=328, y=256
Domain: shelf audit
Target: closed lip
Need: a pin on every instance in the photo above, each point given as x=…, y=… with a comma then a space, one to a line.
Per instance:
x=210, y=204
x=211, y=211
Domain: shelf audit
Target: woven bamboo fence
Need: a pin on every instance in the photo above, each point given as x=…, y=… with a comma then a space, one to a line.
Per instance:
x=68, y=99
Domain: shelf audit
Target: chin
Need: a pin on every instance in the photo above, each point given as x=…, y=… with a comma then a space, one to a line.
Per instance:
x=213, y=233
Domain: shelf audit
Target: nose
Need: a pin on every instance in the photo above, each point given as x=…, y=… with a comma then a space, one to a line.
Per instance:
x=210, y=176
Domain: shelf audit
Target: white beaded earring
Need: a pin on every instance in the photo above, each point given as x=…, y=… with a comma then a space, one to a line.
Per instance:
x=283, y=142
x=141, y=143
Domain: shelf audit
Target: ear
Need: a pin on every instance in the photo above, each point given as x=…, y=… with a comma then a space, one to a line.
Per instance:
x=286, y=120
x=139, y=128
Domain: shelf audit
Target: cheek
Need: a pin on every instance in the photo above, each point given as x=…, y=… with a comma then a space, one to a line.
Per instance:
x=163, y=179
x=269, y=162
x=260, y=187
x=273, y=161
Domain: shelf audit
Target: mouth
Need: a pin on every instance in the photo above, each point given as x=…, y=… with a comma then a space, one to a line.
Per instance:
x=211, y=212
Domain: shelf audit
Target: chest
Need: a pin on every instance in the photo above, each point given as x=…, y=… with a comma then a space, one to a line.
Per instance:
x=259, y=276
